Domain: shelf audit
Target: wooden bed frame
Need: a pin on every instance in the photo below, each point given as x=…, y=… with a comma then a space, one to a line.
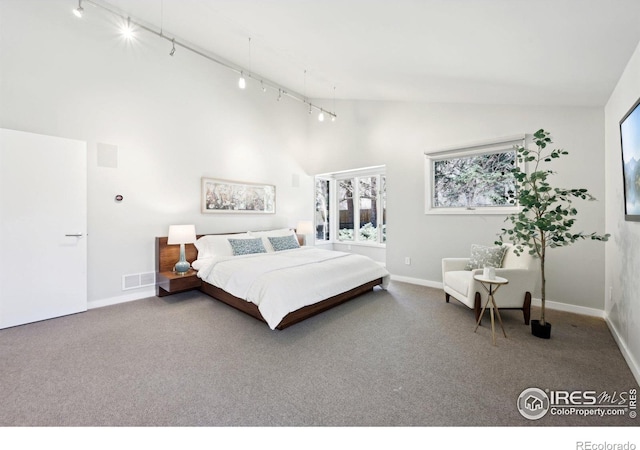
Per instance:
x=167, y=255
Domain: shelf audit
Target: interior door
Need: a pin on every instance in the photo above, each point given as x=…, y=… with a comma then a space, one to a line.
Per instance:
x=43, y=222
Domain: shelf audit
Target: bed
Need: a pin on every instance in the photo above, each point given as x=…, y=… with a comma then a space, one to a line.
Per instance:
x=268, y=275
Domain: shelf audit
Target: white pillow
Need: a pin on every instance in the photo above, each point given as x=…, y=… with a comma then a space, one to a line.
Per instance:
x=198, y=264
x=217, y=244
x=265, y=235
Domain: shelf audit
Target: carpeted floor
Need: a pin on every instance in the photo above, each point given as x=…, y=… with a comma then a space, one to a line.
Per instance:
x=401, y=357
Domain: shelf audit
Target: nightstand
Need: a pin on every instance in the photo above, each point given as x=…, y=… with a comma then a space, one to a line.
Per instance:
x=169, y=282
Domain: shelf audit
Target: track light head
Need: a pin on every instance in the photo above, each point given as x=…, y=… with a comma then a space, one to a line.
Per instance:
x=127, y=30
x=321, y=116
x=242, y=83
x=173, y=47
x=310, y=110
x=79, y=11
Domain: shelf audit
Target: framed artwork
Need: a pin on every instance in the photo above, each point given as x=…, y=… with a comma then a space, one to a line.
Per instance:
x=630, y=144
x=224, y=196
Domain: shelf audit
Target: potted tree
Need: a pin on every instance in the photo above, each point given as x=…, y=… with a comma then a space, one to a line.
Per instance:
x=546, y=215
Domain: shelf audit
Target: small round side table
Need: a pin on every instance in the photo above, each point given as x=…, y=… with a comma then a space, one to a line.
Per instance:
x=491, y=285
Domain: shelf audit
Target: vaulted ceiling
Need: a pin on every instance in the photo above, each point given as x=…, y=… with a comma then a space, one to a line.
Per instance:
x=534, y=52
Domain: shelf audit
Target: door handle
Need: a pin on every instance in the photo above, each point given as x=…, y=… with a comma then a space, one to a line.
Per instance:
x=74, y=235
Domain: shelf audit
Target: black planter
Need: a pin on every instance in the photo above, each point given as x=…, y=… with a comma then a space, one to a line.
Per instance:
x=541, y=331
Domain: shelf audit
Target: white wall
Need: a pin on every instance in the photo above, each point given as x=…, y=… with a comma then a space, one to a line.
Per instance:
x=623, y=250
x=397, y=134
x=174, y=120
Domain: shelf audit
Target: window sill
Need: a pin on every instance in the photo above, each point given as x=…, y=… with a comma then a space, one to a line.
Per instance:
x=505, y=211
x=360, y=244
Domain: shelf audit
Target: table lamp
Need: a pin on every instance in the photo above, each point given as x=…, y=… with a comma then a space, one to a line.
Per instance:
x=181, y=234
x=304, y=228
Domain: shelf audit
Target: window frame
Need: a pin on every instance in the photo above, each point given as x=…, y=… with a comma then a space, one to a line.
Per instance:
x=330, y=211
x=334, y=210
x=501, y=145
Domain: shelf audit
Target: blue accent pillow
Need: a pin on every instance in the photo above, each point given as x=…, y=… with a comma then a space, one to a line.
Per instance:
x=284, y=242
x=247, y=246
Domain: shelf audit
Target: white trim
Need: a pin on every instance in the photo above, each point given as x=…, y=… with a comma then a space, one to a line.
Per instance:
x=504, y=210
x=369, y=244
x=576, y=309
x=139, y=295
x=417, y=281
x=477, y=146
x=363, y=172
x=626, y=354
x=586, y=311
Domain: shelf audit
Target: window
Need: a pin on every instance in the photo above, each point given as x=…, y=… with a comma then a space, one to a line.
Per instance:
x=360, y=206
x=347, y=220
x=323, y=203
x=369, y=206
x=472, y=179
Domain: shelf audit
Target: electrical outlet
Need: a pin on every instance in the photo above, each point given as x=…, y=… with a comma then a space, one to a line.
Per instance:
x=407, y=260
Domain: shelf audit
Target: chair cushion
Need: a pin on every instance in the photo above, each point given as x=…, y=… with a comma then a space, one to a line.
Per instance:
x=483, y=256
x=459, y=280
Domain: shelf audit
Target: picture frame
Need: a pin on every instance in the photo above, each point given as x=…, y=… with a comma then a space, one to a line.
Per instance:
x=237, y=197
x=630, y=146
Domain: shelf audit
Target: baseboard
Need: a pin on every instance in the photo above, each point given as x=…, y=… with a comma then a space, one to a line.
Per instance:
x=535, y=301
x=584, y=310
x=418, y=281
x=628, y=356
x=138, y=295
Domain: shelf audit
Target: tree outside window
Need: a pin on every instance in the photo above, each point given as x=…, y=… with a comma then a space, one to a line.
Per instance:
x=368, y=194
x=474, y=181
x=323, y=203
x=475, y=178
x=346, y=207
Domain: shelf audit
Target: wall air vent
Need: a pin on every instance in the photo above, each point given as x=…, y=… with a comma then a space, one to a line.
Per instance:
x=138, y=280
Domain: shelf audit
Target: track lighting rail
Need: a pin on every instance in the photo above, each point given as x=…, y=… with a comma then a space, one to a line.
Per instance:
x=176, y=42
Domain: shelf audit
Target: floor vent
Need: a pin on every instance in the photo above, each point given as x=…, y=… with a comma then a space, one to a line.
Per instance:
x=138, y=280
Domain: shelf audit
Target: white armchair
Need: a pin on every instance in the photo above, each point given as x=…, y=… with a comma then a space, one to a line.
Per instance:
x=521, y=271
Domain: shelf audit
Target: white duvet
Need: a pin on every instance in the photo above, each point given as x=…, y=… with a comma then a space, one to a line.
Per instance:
x=282, y=282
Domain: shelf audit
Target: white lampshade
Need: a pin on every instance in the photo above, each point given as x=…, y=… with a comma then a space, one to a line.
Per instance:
x=304, y=227
x=181, y=234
